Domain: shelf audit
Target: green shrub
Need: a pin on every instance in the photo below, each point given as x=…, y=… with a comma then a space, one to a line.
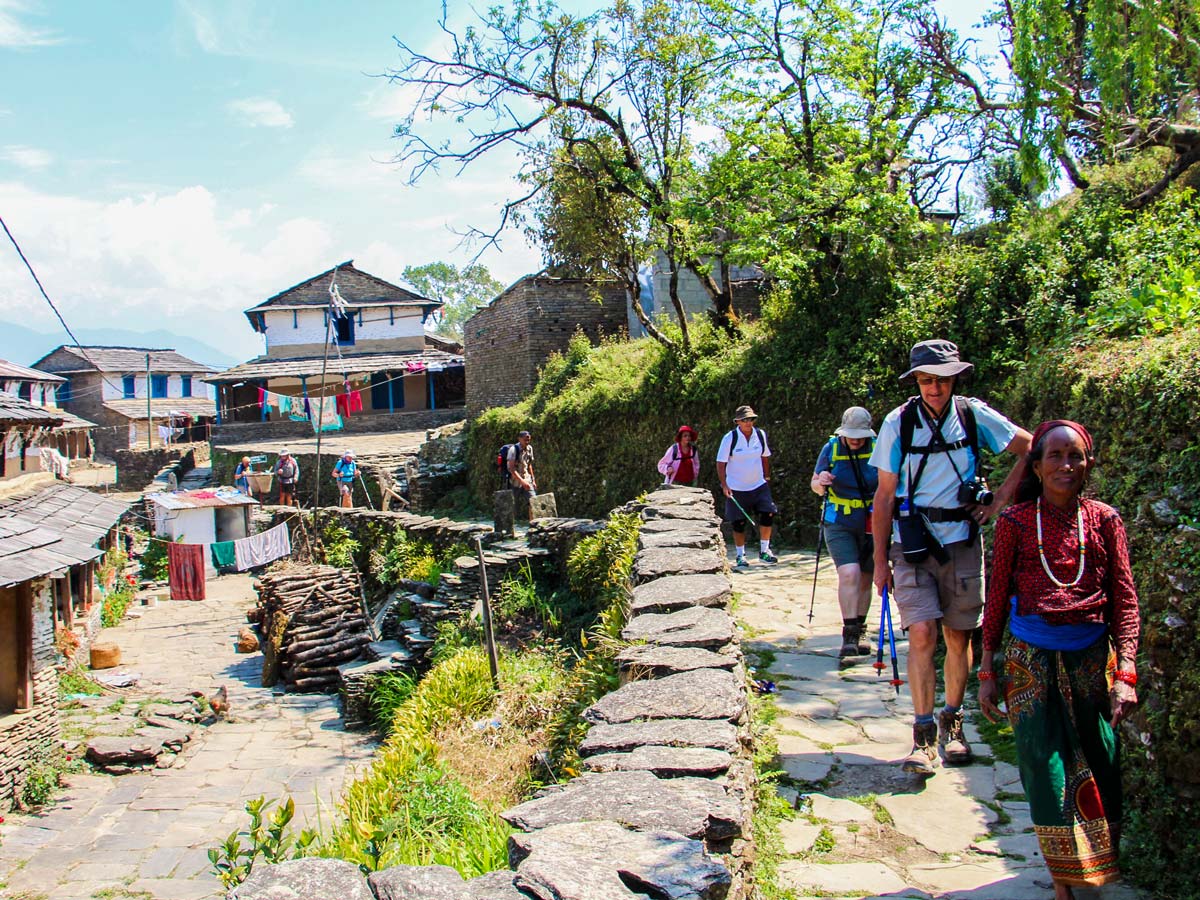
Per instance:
x=115, y=603
x=152, y=565
x=271, y=841
x=339, y=546
x=76, y=681
x=388, y=692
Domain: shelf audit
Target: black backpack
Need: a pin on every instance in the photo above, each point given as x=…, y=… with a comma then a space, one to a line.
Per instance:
x=502, y=463
x=737, y=431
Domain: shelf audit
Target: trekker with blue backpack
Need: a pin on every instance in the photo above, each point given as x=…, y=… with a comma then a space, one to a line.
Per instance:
x=744, y=469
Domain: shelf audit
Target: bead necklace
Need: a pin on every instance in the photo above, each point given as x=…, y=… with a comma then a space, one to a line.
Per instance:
x=1082, y=547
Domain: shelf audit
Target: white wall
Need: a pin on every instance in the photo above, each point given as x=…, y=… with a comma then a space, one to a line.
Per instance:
x=41, y=394
x=113, y=386
x=310, y=326
x=195, y=526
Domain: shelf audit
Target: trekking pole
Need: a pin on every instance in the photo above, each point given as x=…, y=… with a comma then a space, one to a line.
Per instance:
x=363, y=482
x=817, y=567
x=883, y=610
x=896, y=679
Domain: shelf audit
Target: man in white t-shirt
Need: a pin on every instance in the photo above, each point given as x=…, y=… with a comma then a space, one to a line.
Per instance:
x=928, y=550
x=744, y=468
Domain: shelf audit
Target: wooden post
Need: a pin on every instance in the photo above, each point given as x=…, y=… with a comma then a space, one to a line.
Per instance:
x=24, y=647
x=149, y=416
x=489, y=636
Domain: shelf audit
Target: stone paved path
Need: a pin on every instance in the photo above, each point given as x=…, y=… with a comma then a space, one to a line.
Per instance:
x=146, y=835
x=863, y=828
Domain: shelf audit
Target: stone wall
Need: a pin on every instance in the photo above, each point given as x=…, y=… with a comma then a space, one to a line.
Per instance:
x=506, y=342
x=225, y=461
x=137, y=468
x=250, y=432
x=28, y=736
x=666, y=801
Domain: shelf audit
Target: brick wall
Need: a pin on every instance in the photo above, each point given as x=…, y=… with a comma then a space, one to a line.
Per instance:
x=28, y=736
x=506, y=342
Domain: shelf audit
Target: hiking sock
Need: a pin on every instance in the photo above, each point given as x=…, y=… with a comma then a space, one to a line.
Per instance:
x=764, y=546
x=741, y=552
x=926, y=719
x=951, y=710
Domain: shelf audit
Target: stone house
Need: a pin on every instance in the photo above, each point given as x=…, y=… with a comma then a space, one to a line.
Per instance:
x=138, y=397
x=52, y=537
x=507, y=341
x=202, y=517
x=73, y=438
x=378, y=349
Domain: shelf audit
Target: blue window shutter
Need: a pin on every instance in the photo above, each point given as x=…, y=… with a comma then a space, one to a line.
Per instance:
x=295, y=321
x=158, y=386
x=129, y=386
x=185, y=385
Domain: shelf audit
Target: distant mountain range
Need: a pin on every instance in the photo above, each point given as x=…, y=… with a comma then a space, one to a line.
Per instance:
x=25, y=346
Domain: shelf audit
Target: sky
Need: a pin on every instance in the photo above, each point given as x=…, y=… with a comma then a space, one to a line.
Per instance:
x=166, y=164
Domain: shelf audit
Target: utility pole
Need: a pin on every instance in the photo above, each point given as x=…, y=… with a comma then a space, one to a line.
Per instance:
x=149, y=416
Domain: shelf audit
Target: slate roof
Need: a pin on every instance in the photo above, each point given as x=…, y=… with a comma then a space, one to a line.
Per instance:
x=11, y=370
x=162, y=407
x=358, y=288
x=120, y=360
x=15, y=411
x=267, y=367
x=48, y=528
x=71, y=421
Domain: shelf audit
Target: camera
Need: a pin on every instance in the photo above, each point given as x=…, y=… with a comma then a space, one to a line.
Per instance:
x=975, y=491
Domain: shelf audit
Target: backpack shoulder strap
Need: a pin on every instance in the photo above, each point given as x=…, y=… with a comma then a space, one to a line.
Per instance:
x=908, y=424
x=762, y=440
x=966, y=415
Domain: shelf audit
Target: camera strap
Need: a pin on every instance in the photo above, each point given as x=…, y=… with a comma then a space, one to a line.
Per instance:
x=935, y=428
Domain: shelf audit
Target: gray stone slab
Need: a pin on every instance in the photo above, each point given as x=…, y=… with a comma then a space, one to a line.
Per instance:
x=945, y=816
x=312, y=879
x=798, y=836
x=701, y=694
x=656, y=661
x=665, y=762
x=679, y=592
x=408, y=882
x=694, y=807
x=658, y=562
x=599, y=860
x=661, y=526
x=710, y=733
x=494, y=886
x=840, y=879
x=699, y=538
x=807, y=666
x=697, y=626
x=832, y=809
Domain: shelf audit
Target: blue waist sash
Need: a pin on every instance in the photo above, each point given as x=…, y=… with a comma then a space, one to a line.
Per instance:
x=1033, y=629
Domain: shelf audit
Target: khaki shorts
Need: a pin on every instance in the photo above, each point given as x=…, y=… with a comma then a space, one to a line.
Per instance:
x=952, y=592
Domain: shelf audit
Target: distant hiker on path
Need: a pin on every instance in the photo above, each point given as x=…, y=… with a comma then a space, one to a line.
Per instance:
x=344, y=474
x=744, y=469
x=681, y=463
x=929, y=505
x=846, y=479
x=521, y=479
x=287, y=470
x=1061, y=582
x=240, y=481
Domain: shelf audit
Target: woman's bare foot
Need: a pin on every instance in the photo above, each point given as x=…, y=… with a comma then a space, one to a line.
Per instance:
x=1063, y=891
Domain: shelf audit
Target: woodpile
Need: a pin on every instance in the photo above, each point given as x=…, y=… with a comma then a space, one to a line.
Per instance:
x=312, y=621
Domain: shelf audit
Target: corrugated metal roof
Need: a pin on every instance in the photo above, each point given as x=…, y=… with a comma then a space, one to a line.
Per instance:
x=48, y=529
x=15, y=411
x=222, y=496
x=163, y=407
x=123, y=360
x=267, y=367
x=12, y=370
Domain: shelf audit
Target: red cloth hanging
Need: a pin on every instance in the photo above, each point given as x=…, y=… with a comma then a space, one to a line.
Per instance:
x=343, y=405
x=355, y=404
x=185, y=571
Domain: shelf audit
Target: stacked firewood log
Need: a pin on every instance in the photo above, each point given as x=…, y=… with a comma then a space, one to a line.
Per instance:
x=312, y=622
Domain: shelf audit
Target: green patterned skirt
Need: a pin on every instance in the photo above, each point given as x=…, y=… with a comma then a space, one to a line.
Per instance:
x=1069, y=756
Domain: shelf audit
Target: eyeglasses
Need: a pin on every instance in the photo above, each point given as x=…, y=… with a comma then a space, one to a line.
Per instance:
x=930, y=380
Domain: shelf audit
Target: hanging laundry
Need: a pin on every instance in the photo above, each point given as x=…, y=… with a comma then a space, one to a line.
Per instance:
x=355, y=403
x=343, y=405
x=223, y=556
x=414, y=367
x=53, y=461
x=285, y=404
x=262, y=397
x=185, y=571
x=165, y=433
x=307, y=408
x=260, y=549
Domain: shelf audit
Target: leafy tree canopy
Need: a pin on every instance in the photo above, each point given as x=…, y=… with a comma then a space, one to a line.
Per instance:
x=461, y=290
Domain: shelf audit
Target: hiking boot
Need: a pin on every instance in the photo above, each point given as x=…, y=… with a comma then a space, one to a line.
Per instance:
x=924, y=756
x=849, y=649
x=954, y=744
x=768, y=557
x=742, y=563
x=863, y=642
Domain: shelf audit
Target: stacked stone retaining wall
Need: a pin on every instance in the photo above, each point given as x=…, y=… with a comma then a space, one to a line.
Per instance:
x=137, y=468
x=663, y=809
x=383, y=423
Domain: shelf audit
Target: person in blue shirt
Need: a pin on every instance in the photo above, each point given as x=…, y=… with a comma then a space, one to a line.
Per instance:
x=846, y=479
x=240, y=481
x=344, y=474
x=928, y=549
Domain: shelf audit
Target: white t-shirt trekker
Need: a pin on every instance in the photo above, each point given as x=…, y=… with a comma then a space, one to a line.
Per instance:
x=743, y=469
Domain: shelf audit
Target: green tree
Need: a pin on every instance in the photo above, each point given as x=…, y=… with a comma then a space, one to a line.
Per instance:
x=461, y=290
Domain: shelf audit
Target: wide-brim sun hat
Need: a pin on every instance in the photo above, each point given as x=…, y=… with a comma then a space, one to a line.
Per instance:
x=856, y=423
x=936, y=357
x=744, y=412
x=685, y=429
x=285, y=452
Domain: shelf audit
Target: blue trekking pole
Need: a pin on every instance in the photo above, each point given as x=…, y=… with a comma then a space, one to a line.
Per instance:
x=887, y=614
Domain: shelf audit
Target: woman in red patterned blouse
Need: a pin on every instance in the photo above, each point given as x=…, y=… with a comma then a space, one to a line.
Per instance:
x=1062, y=584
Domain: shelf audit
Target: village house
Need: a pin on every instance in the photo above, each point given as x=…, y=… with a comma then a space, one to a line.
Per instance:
x=380, y=359
x=202, y=517
x=52, y=537
x=23, y=428
x=139, y=398
x=73, y=438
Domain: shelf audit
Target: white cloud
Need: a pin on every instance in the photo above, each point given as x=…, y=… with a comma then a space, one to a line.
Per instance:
x=15, y=34
x=180, y=261
x=26, y=157
x=261, y=111
x=390, y=101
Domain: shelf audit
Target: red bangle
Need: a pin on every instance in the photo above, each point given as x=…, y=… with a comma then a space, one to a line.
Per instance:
x=1130, y=678
x=987, y=676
